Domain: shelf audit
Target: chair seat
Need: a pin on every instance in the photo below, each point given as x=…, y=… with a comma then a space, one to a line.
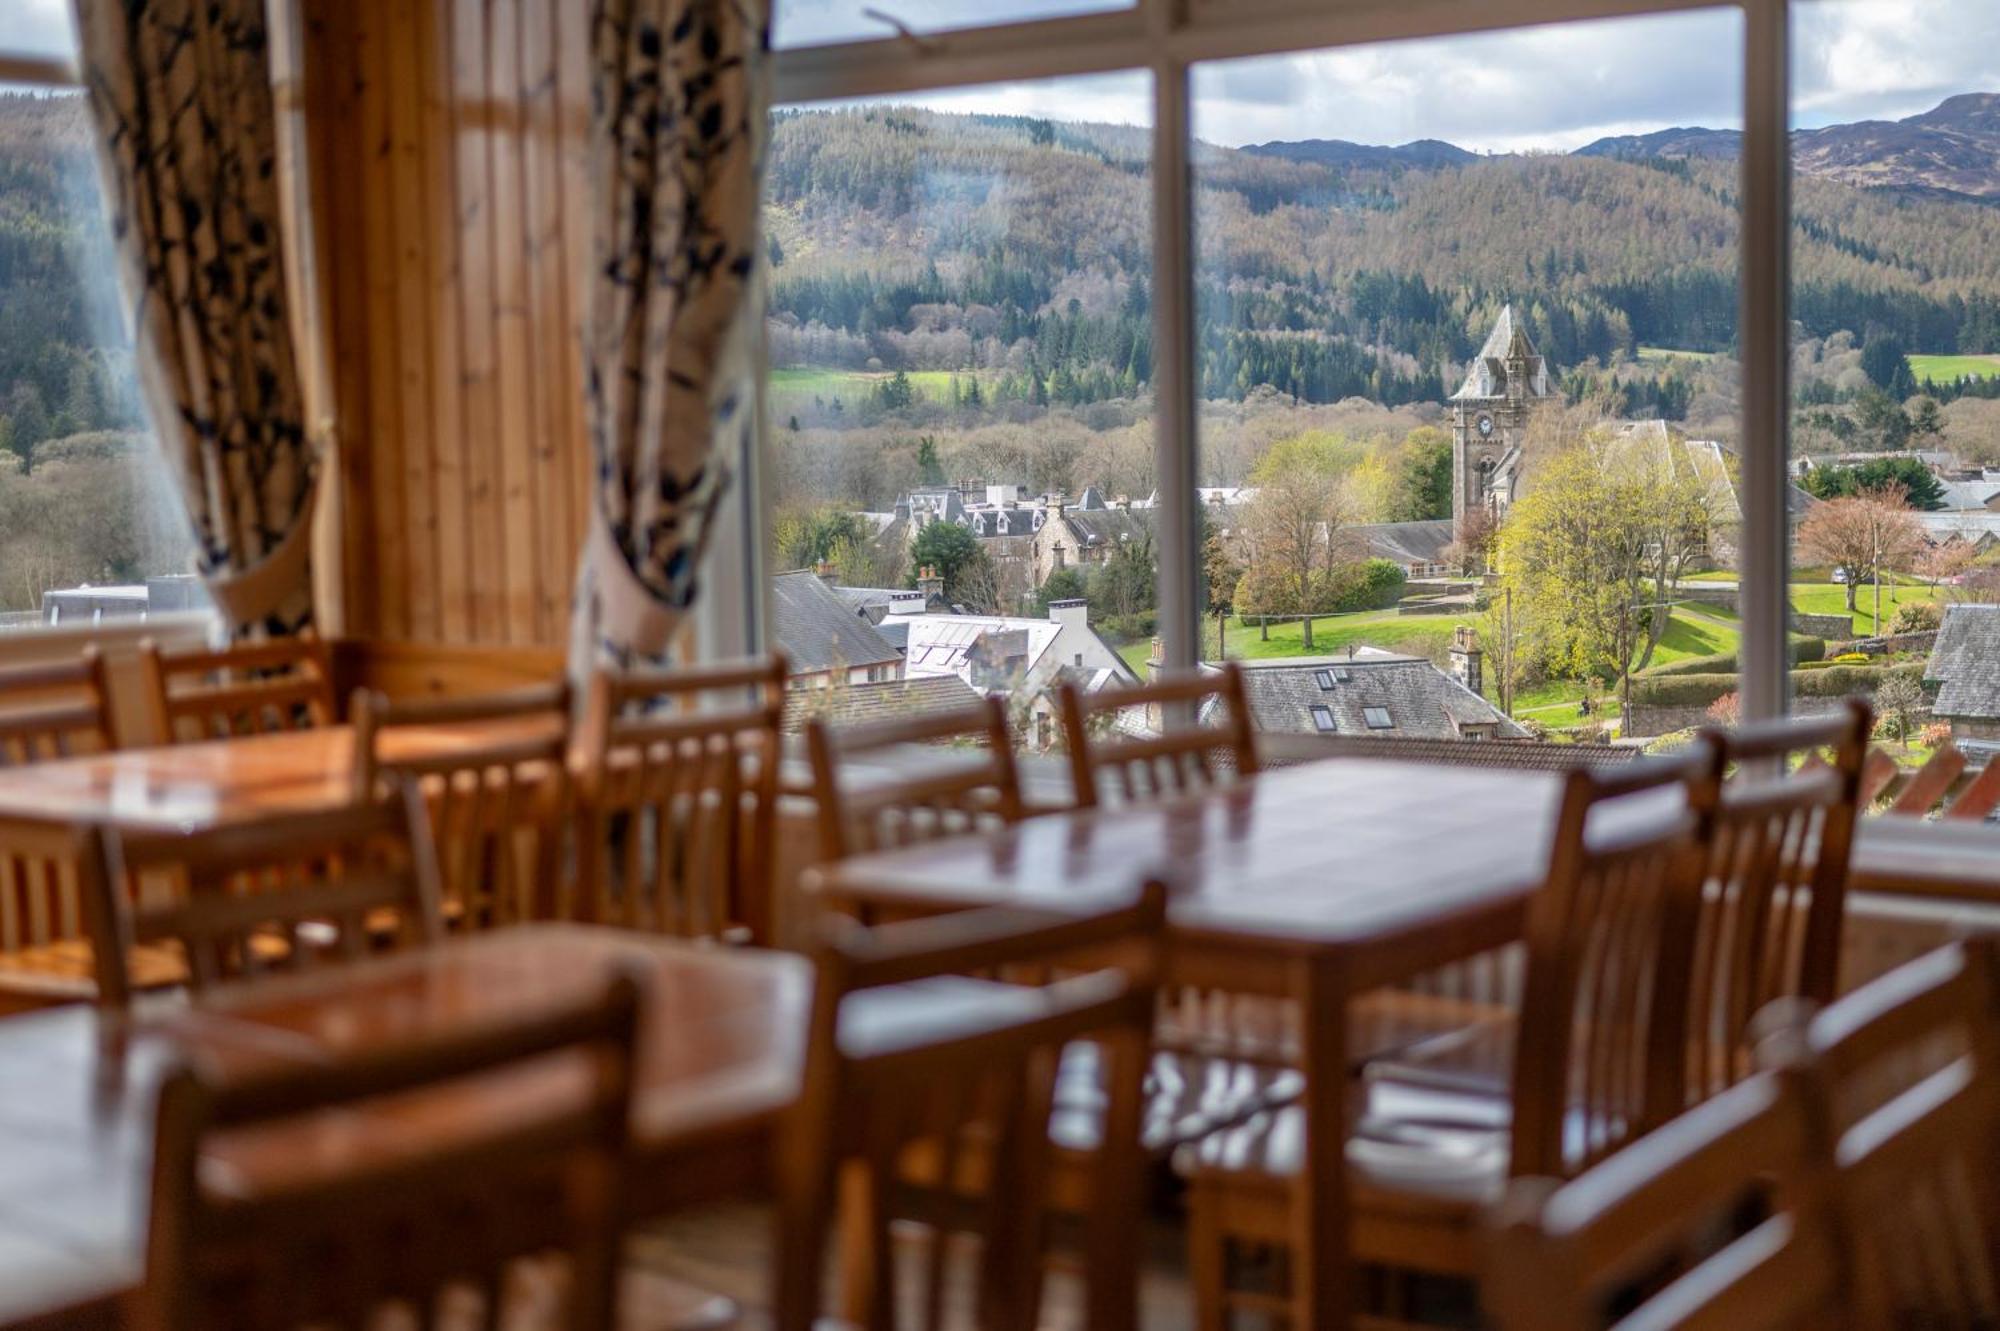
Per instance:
x=1187, y=1097
x=66, y=972
x=1475, y=1060
x=1424, y=1143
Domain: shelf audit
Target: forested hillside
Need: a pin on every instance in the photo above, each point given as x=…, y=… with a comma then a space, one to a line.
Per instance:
x=909, y=239
x=63, y=367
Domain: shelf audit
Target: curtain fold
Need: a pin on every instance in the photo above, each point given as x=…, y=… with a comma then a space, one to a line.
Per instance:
x=677, y=146
x=180, y=92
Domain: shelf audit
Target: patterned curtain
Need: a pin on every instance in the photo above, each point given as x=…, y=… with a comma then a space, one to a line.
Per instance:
x=677, y=148
x=187, y=145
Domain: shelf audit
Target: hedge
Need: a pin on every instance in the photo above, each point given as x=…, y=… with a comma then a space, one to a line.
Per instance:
x=1724, y=663
x=1377, y=585
x=1824, y=682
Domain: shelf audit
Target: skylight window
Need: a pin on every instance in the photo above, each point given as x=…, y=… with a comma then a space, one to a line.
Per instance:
x=1324, y=678
x=1378, y=718
x=1342, y=675
x=1323, y=719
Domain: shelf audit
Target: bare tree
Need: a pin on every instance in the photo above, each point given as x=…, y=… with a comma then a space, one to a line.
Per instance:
x=1866, y=536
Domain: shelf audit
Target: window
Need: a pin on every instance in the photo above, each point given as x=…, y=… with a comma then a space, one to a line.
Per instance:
x=1895, y=391
x=1322, y=719
x=89, y=532
x=1317, y=303
x=1378, y=718
x=1419, y=343
x=818, y=22
x=1324, y=678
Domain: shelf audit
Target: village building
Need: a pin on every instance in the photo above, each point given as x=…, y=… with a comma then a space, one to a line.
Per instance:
x=1504, y=384
x=823, y=637
x=1964, y=669
x=1376, y=693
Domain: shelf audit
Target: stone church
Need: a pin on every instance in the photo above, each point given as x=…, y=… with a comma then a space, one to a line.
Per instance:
x=1489, y=418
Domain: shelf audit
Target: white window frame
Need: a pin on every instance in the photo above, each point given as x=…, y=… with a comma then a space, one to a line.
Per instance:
x=1166, y=37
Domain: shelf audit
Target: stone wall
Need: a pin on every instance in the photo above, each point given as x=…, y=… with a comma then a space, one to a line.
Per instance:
x=1830, y=627
x=1649, y=719
x=1882, y=646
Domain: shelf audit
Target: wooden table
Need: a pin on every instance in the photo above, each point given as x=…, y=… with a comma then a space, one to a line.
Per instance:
x=192, y=787
x=1315, y=883
x=723, y=1040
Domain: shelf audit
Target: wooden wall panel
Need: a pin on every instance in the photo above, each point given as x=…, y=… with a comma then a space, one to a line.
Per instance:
x=450, y=149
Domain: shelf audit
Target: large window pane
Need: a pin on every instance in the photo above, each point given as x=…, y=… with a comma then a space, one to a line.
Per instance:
x=1896, y=367
x=818, y=22
x=1467, y=313
x=40, y=28
x=961, y=345
x=88, y=530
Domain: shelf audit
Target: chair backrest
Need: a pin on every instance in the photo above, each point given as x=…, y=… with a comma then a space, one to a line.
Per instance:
x=282, y=893
x=962, y=780
x=48, y=882
x=252, y=689
x=54, y=710
x=1774, y=894
x=1569, y=1256
x=1909, y=1069
x=677, y=810
x=905, y=1062
x=1601, y=1055
x=1189, y=753
x=494, y=774
x=432, y=1232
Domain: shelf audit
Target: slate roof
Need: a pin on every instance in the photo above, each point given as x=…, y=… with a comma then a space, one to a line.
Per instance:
x=1405, y=542
x=952, y=644
x=1965, y=663
x=853, y=704
x=1422, y=701
x=818, y=630
x=872, y=603
x=1962, y=496
x=1486, y=377
x=1105, y=527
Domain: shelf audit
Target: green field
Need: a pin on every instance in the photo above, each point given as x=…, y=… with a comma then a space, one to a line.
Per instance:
x=853, y=386
x=1950, y=369
x=1658, y=355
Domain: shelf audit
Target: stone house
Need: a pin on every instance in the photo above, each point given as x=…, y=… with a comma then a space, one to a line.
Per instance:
x=1964, y=669
x=1374, y=693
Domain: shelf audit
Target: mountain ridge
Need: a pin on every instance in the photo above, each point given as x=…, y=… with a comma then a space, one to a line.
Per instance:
x=1951, y=150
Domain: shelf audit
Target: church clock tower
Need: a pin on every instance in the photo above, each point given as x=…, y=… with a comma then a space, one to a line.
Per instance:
x=1489, y=416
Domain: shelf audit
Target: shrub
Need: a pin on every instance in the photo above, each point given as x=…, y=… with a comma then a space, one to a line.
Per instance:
x=1831, y=681
x=1376, y=585
x=1916, y=617
x=1851, y=658
x=1726, y=710
x=1802, y=651
x=1674, y=741
x=1934, y=734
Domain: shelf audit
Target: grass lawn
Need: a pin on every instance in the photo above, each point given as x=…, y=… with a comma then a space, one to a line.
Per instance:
x=1950, y=369
x=1830, y=598
x=1417, y=635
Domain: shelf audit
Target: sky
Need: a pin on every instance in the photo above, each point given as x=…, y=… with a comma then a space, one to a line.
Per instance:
x=1550, y=88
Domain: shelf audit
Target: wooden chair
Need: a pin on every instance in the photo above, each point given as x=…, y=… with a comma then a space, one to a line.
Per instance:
x=252, y=689
x=436, y=1232
x=282, y=893
x=1908, y=1067
x=49, y=883
x=1609, y=1248
x=962, y=780
x=1180, y=759
x=916, y=1073
x=1600, y=1062
x=677, y=805
x=498, y=799
x=55, y=710
x=1774, y=892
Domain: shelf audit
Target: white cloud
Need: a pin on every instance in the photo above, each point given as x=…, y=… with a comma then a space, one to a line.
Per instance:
x=1550, y=88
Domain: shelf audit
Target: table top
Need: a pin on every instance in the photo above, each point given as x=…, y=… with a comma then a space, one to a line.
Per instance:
x=190, y=787
x=1949, y=858
x=1335, y=854
x=722, y=1047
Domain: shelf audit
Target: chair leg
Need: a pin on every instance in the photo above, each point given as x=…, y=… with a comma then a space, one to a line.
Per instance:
x=1207, y=1267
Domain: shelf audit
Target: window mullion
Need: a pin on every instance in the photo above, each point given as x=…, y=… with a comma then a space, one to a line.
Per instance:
x=1175, y=391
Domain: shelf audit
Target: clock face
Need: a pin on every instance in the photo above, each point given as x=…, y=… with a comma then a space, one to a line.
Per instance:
x=1485, y=427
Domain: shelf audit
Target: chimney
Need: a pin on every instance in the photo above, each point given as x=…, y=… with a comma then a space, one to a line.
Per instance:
x=824, y=571
x=1074, y=612
x=1057, y=551
x=931, y=585
x=1466, y=658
